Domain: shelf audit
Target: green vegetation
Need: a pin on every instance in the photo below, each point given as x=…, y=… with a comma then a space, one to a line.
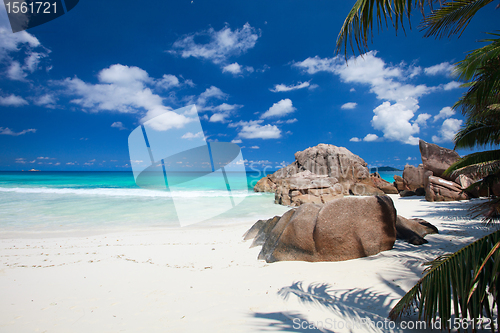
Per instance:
x=466, y=281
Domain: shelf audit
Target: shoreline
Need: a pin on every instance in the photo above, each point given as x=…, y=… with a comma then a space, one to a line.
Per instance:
x=207, y=279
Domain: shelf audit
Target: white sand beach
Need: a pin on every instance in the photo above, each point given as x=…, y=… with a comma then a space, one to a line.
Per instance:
x=199, y=279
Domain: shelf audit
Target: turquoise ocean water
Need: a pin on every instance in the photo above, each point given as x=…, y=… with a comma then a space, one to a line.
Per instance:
x=59, y=203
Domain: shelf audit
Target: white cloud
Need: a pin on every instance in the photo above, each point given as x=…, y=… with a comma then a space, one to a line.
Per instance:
x=237, y=69
x=367, y=138
x=15, y=72
x=444, y=113
x=253, y=130
x=233, y=68
x=127, y=89
x=422, y=119
x=124, y=89
x=219, y=118
x=452, y=85
x=123, y=75
x=388, y=82
x=236, y=141
x=20, y=160
x=112, y=97
x=279, y=109
x=168, y=81
x=224, y=107
x=190, y=135
x=31, y=62
x=349, y=106
x=414, y=71
x=255, y=147
x=223, y=111
x=448, y=130
x=317, y=64
x=300, y=85
x=222, y=44
x=13, y=100
x=289, y=121
x=394, y=121
x=371, y=70
x=210, y=93
x=19, y=73
x=47, y=100
x=23, y=45
x=443, y=68
x=119, y=125
x=370, y=137
x=10, y=42
x=8, y=131
x=172, y=120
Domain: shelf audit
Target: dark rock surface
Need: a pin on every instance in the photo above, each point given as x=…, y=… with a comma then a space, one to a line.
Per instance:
x=414, y=230
x=436, y=158
x=383, y=185
x=320, y=174
x=341, y=229
x=439, y=189
x=413, y=177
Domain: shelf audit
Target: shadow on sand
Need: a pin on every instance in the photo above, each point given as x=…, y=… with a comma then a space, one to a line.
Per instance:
x=350, y=310
x=365, y=310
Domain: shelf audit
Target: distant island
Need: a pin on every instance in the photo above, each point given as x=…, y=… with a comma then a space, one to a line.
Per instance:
x=384, y=168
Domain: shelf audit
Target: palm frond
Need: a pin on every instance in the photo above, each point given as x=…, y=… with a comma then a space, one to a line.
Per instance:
x=483, y=157
x=452, y=18
x=358, y=25
x=489, y=211
x=475, y=133
x=466, y=69
x=462, y=281
x=478, y=170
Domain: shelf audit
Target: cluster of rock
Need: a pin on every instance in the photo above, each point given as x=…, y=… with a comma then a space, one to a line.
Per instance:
x=341, y=229
x=325, y=172
x=320, y=174
x=428, y=179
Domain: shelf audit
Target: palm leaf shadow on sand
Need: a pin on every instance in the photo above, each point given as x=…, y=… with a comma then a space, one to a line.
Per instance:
x=352, y=307
x=286, y=322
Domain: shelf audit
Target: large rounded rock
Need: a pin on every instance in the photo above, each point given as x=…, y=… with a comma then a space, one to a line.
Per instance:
x=399, y=183
x=304, y=180
x=414, y=230
x=436, y=158
x=306, y=187
x=439, y=189
x=413, y=177
x=341, y=229
x=383, y=185
x=265, y=185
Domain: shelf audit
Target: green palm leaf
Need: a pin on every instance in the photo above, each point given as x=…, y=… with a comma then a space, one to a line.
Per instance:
x=359, y=22
x=466, y=69
x=480, y=103
x=452, y=18
x=476, y=133
x=462, y=281
x=485, y=162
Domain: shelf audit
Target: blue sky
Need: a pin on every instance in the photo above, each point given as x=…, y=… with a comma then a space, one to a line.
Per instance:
x=263, y=74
